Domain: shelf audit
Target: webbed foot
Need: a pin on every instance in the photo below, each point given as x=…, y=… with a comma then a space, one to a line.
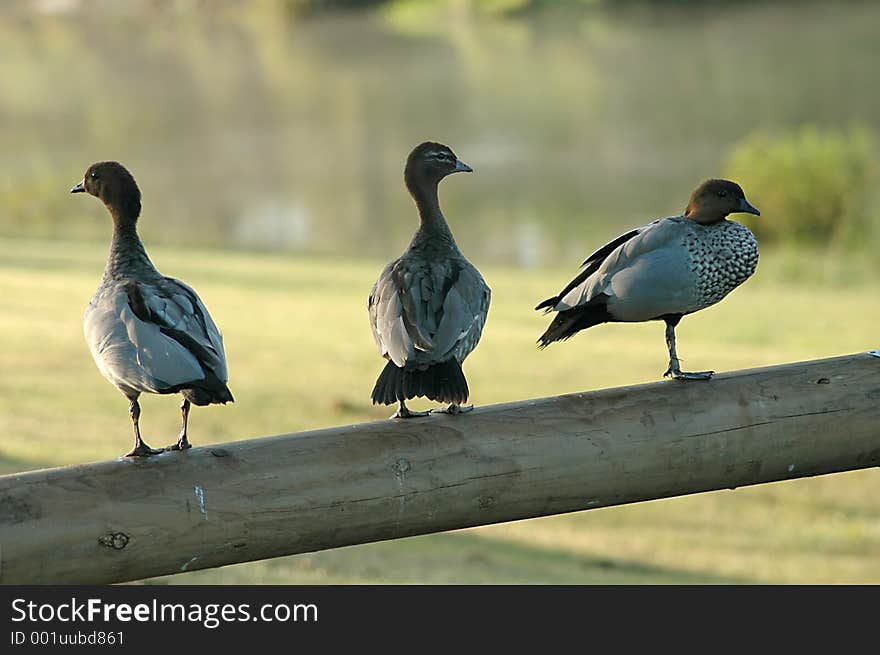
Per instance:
x=405, y=412
x=683, y=375
x=408, y=413
x=182, y=444
x=453, y=409
x=143, y=450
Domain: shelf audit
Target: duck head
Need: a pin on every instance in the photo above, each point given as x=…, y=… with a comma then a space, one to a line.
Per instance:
x=713, y=200
x=114, y=185
x=429, y=163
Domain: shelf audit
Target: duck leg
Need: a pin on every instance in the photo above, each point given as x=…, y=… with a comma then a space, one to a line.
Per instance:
x=140, y=448
x=453, y=409
x=405, y=412
x=182, y=442
x=674, y=371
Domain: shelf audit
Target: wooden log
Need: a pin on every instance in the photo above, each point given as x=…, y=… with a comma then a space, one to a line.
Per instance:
x=129, y=519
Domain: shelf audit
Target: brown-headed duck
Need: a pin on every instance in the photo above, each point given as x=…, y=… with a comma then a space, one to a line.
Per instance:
x=148, y=333
x=662, y=271
x=428, y=307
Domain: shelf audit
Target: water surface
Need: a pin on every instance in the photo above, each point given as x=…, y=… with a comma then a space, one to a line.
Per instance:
x=251, y=127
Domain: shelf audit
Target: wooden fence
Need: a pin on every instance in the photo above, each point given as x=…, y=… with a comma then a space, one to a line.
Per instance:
x=130, y=519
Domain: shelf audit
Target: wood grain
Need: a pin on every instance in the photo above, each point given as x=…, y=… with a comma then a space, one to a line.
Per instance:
x=125, y=520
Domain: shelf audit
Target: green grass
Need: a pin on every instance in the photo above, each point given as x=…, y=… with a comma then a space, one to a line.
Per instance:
x=301, y=356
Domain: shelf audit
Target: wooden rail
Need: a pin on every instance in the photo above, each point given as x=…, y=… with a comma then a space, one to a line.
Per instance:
x=125, y=520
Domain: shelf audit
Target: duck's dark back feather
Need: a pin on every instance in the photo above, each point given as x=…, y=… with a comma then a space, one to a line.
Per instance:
x=571, y=321
x=591, y=265
x=208, y=391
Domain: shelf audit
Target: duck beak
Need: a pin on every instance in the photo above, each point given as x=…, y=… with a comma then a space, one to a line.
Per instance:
x=748, y=208
x=461, y=167
x=79, y=188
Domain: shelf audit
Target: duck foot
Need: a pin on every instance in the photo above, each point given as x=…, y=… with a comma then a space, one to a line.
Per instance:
x=143, y=450
x=140, y=448
x=682, y=375
x=182, y=444
x=453, y=409
x=405, y=412
x=674, y=371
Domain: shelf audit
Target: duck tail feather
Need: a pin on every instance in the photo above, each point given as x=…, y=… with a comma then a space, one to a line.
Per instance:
x=571, y=321
x=442, y=382
x=547, y=305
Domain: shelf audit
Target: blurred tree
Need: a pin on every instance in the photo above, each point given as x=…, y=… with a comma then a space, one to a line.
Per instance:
x=813, y=186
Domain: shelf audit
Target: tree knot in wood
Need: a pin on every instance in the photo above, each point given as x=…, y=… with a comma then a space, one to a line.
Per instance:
x=114, y=540
x=823, y=381
x=399, y=468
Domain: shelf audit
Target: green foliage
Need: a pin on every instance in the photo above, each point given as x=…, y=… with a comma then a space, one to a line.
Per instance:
x=270, y=125
x=813, y=186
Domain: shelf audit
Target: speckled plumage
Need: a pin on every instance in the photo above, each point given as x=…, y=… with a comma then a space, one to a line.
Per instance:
x=662, y=271
x=671, y=266
x=722, y=255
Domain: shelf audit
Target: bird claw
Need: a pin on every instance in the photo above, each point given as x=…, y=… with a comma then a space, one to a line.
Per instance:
x=182, y=444
x=452, y=409
x=408, y=413
x=682, y=375
x=143, y=450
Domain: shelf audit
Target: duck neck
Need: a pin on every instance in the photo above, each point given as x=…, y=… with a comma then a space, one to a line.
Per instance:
x=127, y=252
x=703, y=218
x=433, y=226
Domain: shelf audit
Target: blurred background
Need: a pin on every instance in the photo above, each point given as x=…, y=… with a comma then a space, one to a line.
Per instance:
x=269, y=138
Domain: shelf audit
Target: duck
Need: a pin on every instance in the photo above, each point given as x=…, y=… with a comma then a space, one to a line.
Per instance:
x=665, y=270
x=428, y=307
x=146, y=332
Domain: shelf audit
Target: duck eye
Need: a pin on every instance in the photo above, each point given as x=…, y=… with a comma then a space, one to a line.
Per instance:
x=440, y=156
x=94, y=175
x=722, y=194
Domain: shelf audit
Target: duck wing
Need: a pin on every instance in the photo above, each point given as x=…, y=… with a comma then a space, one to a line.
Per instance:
x=578, y=291
x=181, y=315
x=153, y=337
x=425, y=312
